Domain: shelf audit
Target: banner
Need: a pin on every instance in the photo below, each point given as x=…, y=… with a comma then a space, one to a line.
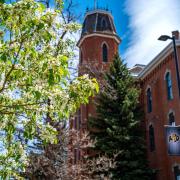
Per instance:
x=173, y=140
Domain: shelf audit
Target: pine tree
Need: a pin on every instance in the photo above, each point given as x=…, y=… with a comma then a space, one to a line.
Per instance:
x=117, y=128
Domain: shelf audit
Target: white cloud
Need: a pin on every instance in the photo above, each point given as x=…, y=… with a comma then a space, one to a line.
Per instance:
x=148, y=20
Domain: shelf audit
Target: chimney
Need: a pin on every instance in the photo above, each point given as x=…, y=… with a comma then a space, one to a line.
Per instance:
x=176, y=34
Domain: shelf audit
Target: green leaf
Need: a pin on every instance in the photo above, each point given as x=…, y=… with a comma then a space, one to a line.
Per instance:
x=51, y=77
x=2, y=1
x=3, y=57
x=40, y=26
x=38, y=95
x=29, y=80
x=41, y=7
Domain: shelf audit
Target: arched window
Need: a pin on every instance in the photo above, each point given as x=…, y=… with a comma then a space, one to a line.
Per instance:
x=169, y=86
x=171, y=119
x=105, y=53
x=151, y=138
x=149, y=100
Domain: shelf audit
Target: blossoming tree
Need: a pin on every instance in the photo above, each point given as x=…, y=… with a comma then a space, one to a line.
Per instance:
x=34, y=79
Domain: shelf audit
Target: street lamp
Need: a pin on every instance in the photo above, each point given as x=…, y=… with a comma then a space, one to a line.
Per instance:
x=173, y=38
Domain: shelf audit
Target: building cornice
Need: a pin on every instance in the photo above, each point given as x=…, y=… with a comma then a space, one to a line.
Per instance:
x=112, y=36
x=158, y=59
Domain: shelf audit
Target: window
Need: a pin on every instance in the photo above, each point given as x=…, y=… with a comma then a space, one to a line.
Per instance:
x=103, y=24
x=177, y=173
x=171, y=119
x=151, y=138
x=169, y=86
x=105, y=53
x=149, y=100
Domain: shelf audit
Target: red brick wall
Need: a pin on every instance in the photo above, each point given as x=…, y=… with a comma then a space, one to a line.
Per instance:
x=92, y=55
x=161, y=106
x=92, y=49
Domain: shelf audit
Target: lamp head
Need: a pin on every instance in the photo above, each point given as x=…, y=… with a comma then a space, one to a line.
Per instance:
x=164, y=38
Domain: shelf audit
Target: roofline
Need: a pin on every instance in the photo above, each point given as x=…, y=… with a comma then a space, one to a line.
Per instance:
x=98, y=11
x=135, y=67
x=114, y=36
x=158, y=59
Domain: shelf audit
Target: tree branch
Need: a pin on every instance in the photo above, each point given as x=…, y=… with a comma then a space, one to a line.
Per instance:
x=12, y=68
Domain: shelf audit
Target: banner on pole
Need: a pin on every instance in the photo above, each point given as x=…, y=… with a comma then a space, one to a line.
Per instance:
x=173, y=140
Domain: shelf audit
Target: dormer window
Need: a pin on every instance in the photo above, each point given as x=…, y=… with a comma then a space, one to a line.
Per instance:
x=103, y=24
x=105, y=53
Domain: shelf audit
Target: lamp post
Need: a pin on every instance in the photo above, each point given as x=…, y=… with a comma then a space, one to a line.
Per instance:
x=165, y=38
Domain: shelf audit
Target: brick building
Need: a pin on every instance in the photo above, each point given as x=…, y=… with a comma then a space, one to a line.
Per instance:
x=161, y=101
x=159, y=96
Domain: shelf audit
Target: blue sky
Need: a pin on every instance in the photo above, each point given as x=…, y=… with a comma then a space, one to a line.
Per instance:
x=139, y=23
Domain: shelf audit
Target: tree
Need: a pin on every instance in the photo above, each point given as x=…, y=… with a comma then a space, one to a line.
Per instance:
x=86, y=166
x=34, y=79
x=52, y=161
x=117, y=128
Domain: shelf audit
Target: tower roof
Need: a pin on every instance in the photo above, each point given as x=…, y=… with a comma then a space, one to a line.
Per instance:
x=99, y=21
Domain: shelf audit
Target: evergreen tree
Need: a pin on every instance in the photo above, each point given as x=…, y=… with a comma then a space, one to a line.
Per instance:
x=117, y=128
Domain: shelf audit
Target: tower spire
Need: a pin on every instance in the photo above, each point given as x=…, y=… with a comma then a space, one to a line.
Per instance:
x=95, y=4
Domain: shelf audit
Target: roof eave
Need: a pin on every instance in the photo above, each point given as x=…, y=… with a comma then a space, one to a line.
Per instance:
x=98, y=11
x=158, y=59
x=115, y=36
